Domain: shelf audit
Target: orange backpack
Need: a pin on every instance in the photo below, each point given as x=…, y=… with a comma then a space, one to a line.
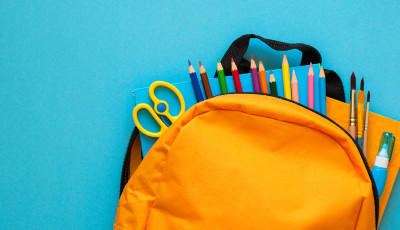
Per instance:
x=251, y=161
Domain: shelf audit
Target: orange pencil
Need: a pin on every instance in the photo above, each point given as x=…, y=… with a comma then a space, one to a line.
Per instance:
x=263, y=77
x=295, y=88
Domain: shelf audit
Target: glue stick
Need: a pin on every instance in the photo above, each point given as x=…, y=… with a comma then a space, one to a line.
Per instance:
x=379, y=171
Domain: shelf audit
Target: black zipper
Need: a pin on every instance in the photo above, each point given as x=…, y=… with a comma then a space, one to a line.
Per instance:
x=374, y=188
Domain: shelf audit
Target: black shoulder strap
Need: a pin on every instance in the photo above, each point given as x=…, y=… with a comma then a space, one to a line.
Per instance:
x=133, y=157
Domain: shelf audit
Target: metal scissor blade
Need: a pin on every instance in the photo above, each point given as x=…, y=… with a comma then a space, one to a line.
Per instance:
x=166, y=121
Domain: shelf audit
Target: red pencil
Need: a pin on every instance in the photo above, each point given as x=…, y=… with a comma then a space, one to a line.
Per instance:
x=236, y=78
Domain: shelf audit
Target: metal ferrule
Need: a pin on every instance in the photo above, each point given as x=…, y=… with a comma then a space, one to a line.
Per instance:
x=353, y=108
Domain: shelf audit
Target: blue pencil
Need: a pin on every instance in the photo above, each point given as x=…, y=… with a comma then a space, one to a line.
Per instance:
x=195, y=83
x=322, y=90
x=317, y=94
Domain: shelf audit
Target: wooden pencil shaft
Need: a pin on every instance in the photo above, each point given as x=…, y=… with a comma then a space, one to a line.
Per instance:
x=206, y=85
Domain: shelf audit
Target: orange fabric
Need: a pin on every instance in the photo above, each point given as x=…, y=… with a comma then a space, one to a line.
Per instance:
x=136, y=156
x=246, y=161
x=377, y=124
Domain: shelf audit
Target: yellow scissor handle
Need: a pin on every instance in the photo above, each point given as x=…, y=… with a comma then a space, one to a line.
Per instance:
x=164, y=106
x=147, y=107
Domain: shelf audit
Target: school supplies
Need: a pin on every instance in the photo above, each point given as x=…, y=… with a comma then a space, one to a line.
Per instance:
x=263, y=77
x=204, y=79
x=186, y=88
x=335, y=108
x=236, y=78
x=311, y=87
x=286, y=78
x=254, y=75
x=195, y=83
x=360, y=113
x=295, y=88
x=272, y=84
x=221, y=77
x=161, y=108
x=379, y=171
x=322, y=90
x=353, y=120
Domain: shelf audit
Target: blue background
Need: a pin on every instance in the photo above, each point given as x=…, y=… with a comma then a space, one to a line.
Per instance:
x=68, y=68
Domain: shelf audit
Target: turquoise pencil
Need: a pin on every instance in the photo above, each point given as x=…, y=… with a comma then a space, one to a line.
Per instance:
x=322, y=90
x=317, y=94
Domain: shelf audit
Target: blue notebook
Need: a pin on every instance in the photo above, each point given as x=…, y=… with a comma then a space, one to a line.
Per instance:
x=186, y=88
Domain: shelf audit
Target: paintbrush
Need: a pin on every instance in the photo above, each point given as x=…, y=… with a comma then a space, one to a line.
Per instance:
x=365, y=138
x=353, y=119
x=360, y=113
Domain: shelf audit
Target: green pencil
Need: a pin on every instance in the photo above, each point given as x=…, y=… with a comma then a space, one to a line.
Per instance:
x=221, y=77
x=272, y=84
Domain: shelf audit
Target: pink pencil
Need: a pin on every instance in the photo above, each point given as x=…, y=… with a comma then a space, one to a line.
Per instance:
x=295, y=88
x=311, y=87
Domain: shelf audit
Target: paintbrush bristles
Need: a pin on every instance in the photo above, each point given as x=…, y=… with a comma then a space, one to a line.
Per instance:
x=368, y=95
x=353, y=81
x=362, y=84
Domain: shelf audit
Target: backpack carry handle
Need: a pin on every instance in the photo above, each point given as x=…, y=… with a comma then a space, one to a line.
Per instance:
x=239, y=47
x=334, y=85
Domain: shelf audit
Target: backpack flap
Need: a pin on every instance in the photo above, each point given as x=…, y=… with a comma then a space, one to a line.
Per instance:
x=250, y=161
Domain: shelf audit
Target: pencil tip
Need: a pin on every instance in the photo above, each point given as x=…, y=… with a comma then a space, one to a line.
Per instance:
x=232, y=60
x=189, y=62
x=252, y=57
x=218, y=61
x=270, y=71
x=310, y=64
x=200, y=63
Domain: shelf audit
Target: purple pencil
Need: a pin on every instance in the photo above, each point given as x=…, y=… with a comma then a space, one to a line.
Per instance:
x=254, y=76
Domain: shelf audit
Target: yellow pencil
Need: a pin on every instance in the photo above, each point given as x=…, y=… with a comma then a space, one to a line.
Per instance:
x=286, y=78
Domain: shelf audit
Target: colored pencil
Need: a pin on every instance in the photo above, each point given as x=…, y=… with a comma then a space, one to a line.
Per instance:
x=360, y=113
x=311, y=87
x=353, y=119
x=254, y=75
x=286, y=78
x=206, y=83
x=272, y=84
x=295, y=88
x=317, y=96
x=221, y=77
x=236, y=78
x=195, y=83
x=263, y=77
x=322, y=90
x=365, y=138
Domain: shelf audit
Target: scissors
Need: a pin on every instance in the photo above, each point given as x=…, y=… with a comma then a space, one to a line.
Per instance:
x=161, y=108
